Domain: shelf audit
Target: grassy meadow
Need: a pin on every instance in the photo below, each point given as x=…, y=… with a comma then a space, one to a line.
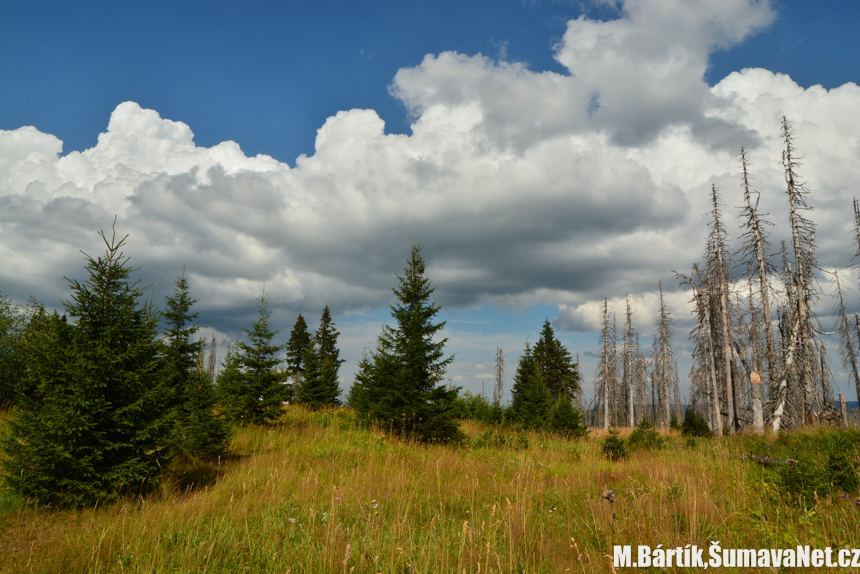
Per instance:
x=319, y=494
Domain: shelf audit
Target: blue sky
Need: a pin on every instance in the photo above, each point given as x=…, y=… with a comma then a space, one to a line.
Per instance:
x=267, y=75
x=567, y=164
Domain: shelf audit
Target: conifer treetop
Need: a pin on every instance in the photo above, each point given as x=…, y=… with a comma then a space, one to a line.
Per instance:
x=423, y=359
x=300, y=340
x=180, y=324
x=107, y=291
x=326, y=338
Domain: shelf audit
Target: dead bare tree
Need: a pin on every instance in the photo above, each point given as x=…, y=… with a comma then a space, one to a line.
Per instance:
x=212, y=361
x=640, y=381
x=857, y=267
x=605, y=377
x=664, y=377
x=756, y=403
x=705, y=368
x=499, y=369
x=718, y=272
x=629, y=375
x=803, y=243
x=754, y=250
x=785, y=401
x=847, y=351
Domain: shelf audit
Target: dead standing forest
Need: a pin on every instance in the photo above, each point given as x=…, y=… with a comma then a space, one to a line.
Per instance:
x=759, y=353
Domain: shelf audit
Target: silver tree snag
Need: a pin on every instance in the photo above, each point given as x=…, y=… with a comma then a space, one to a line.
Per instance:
x=719, y=271
x=629, y=374
x=605, y=367
x=846, y=339
x=664, y=379
x=754, y=248
x=857, y=267
x=803, y=243
x=499, y=368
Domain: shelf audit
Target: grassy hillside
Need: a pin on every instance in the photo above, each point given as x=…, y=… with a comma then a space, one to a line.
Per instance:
x=318, y=494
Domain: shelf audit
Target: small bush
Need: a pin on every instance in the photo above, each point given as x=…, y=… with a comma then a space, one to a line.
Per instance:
x=565, y=421
x=614, y=447
x=695, y=425
x=805, y=480
x=673, y=423
x=645, y=436
x=468, y=406
x=496, y=438
x=811, y=465
x=841, y=464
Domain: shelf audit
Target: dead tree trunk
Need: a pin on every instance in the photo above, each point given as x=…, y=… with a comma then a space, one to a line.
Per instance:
x=705, y=349
x=603, y=377
x=629, y=379
x=665, y=371
x=847, y=351
x=802, y=235
x=498, y=389
x=755, y=247
x=857, y=266
x=717, y=247
x=212, y=361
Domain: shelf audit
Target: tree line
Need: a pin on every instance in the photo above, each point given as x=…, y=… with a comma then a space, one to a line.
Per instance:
x=103, y=397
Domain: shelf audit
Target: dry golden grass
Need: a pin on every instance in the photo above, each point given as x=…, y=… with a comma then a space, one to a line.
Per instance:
x=319, y=495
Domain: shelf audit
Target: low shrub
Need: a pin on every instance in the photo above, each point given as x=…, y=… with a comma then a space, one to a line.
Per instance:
x=695, y=425
x=499, y=438
x=842, y=463
x=565, y=421
x=614, y=447
x=645, y=436
x=810, y=465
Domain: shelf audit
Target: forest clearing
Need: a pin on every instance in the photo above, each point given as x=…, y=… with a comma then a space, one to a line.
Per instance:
x=319, y=493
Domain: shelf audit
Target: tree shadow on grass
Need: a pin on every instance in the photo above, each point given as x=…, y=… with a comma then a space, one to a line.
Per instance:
x=188, y=474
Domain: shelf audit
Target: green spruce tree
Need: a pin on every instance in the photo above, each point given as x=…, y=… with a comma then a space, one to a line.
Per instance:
x=357, y=397
x=251, y=386
x=401, y=384
x=565, y=420
x=231, y=393
x=197, y=430
x=377, y=395
x=181, y=351
x=92, y=428
x=298, y=345
x=10, y=337
x=530, y=400
x=320, y=387
x=560, y=374
x=202, y=432
x=17, y=325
